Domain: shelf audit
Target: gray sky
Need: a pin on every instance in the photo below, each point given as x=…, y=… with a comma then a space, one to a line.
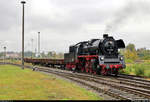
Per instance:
x=66, y=22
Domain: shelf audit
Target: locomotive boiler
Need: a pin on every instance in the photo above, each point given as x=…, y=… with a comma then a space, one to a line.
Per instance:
x=98, y=56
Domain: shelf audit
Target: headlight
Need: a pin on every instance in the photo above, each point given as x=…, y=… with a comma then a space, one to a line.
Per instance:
x=102, y=58
x=121, y=58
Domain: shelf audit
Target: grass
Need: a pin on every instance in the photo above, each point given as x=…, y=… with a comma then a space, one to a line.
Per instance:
x=18, y=84
x=129, y=61
x=139, y=69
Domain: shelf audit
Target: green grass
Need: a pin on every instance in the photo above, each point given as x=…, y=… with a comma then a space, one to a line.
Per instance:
x=129, y=61
x=18, y=84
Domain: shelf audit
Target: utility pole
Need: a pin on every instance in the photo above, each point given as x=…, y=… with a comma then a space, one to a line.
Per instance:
x=22, y=2
x=4, y=54
x=38, y=44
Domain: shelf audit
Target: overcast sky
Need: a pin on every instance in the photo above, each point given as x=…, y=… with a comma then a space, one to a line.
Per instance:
x=66, y=22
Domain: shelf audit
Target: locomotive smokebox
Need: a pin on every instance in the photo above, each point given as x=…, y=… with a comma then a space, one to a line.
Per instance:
x=105, y=35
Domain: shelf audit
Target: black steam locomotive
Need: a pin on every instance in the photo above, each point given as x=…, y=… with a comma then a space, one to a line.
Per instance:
x=98, y=56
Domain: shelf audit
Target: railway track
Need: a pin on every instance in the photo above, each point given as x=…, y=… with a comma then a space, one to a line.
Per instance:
x=120, y=80
x=122, y=87
x=133, y=77
x=86, y=83
x=118, y=90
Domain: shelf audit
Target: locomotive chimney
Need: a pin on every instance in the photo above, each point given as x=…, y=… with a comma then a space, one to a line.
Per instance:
x=105, y=35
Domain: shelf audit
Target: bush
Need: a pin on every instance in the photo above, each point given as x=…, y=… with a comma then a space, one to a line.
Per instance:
x=139, y=70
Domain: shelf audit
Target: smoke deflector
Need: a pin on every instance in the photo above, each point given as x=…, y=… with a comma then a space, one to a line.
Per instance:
x=120, y=43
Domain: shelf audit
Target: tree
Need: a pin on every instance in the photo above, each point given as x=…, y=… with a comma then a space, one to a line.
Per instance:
x=130, y=52
x=49, y=55
x=43, y=55
x=131, y=47
x=143, y=53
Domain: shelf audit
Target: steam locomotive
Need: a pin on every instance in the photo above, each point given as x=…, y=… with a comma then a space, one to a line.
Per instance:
x=97, y=56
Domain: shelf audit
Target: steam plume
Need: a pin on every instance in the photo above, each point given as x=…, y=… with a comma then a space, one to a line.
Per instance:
x=130, y=10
